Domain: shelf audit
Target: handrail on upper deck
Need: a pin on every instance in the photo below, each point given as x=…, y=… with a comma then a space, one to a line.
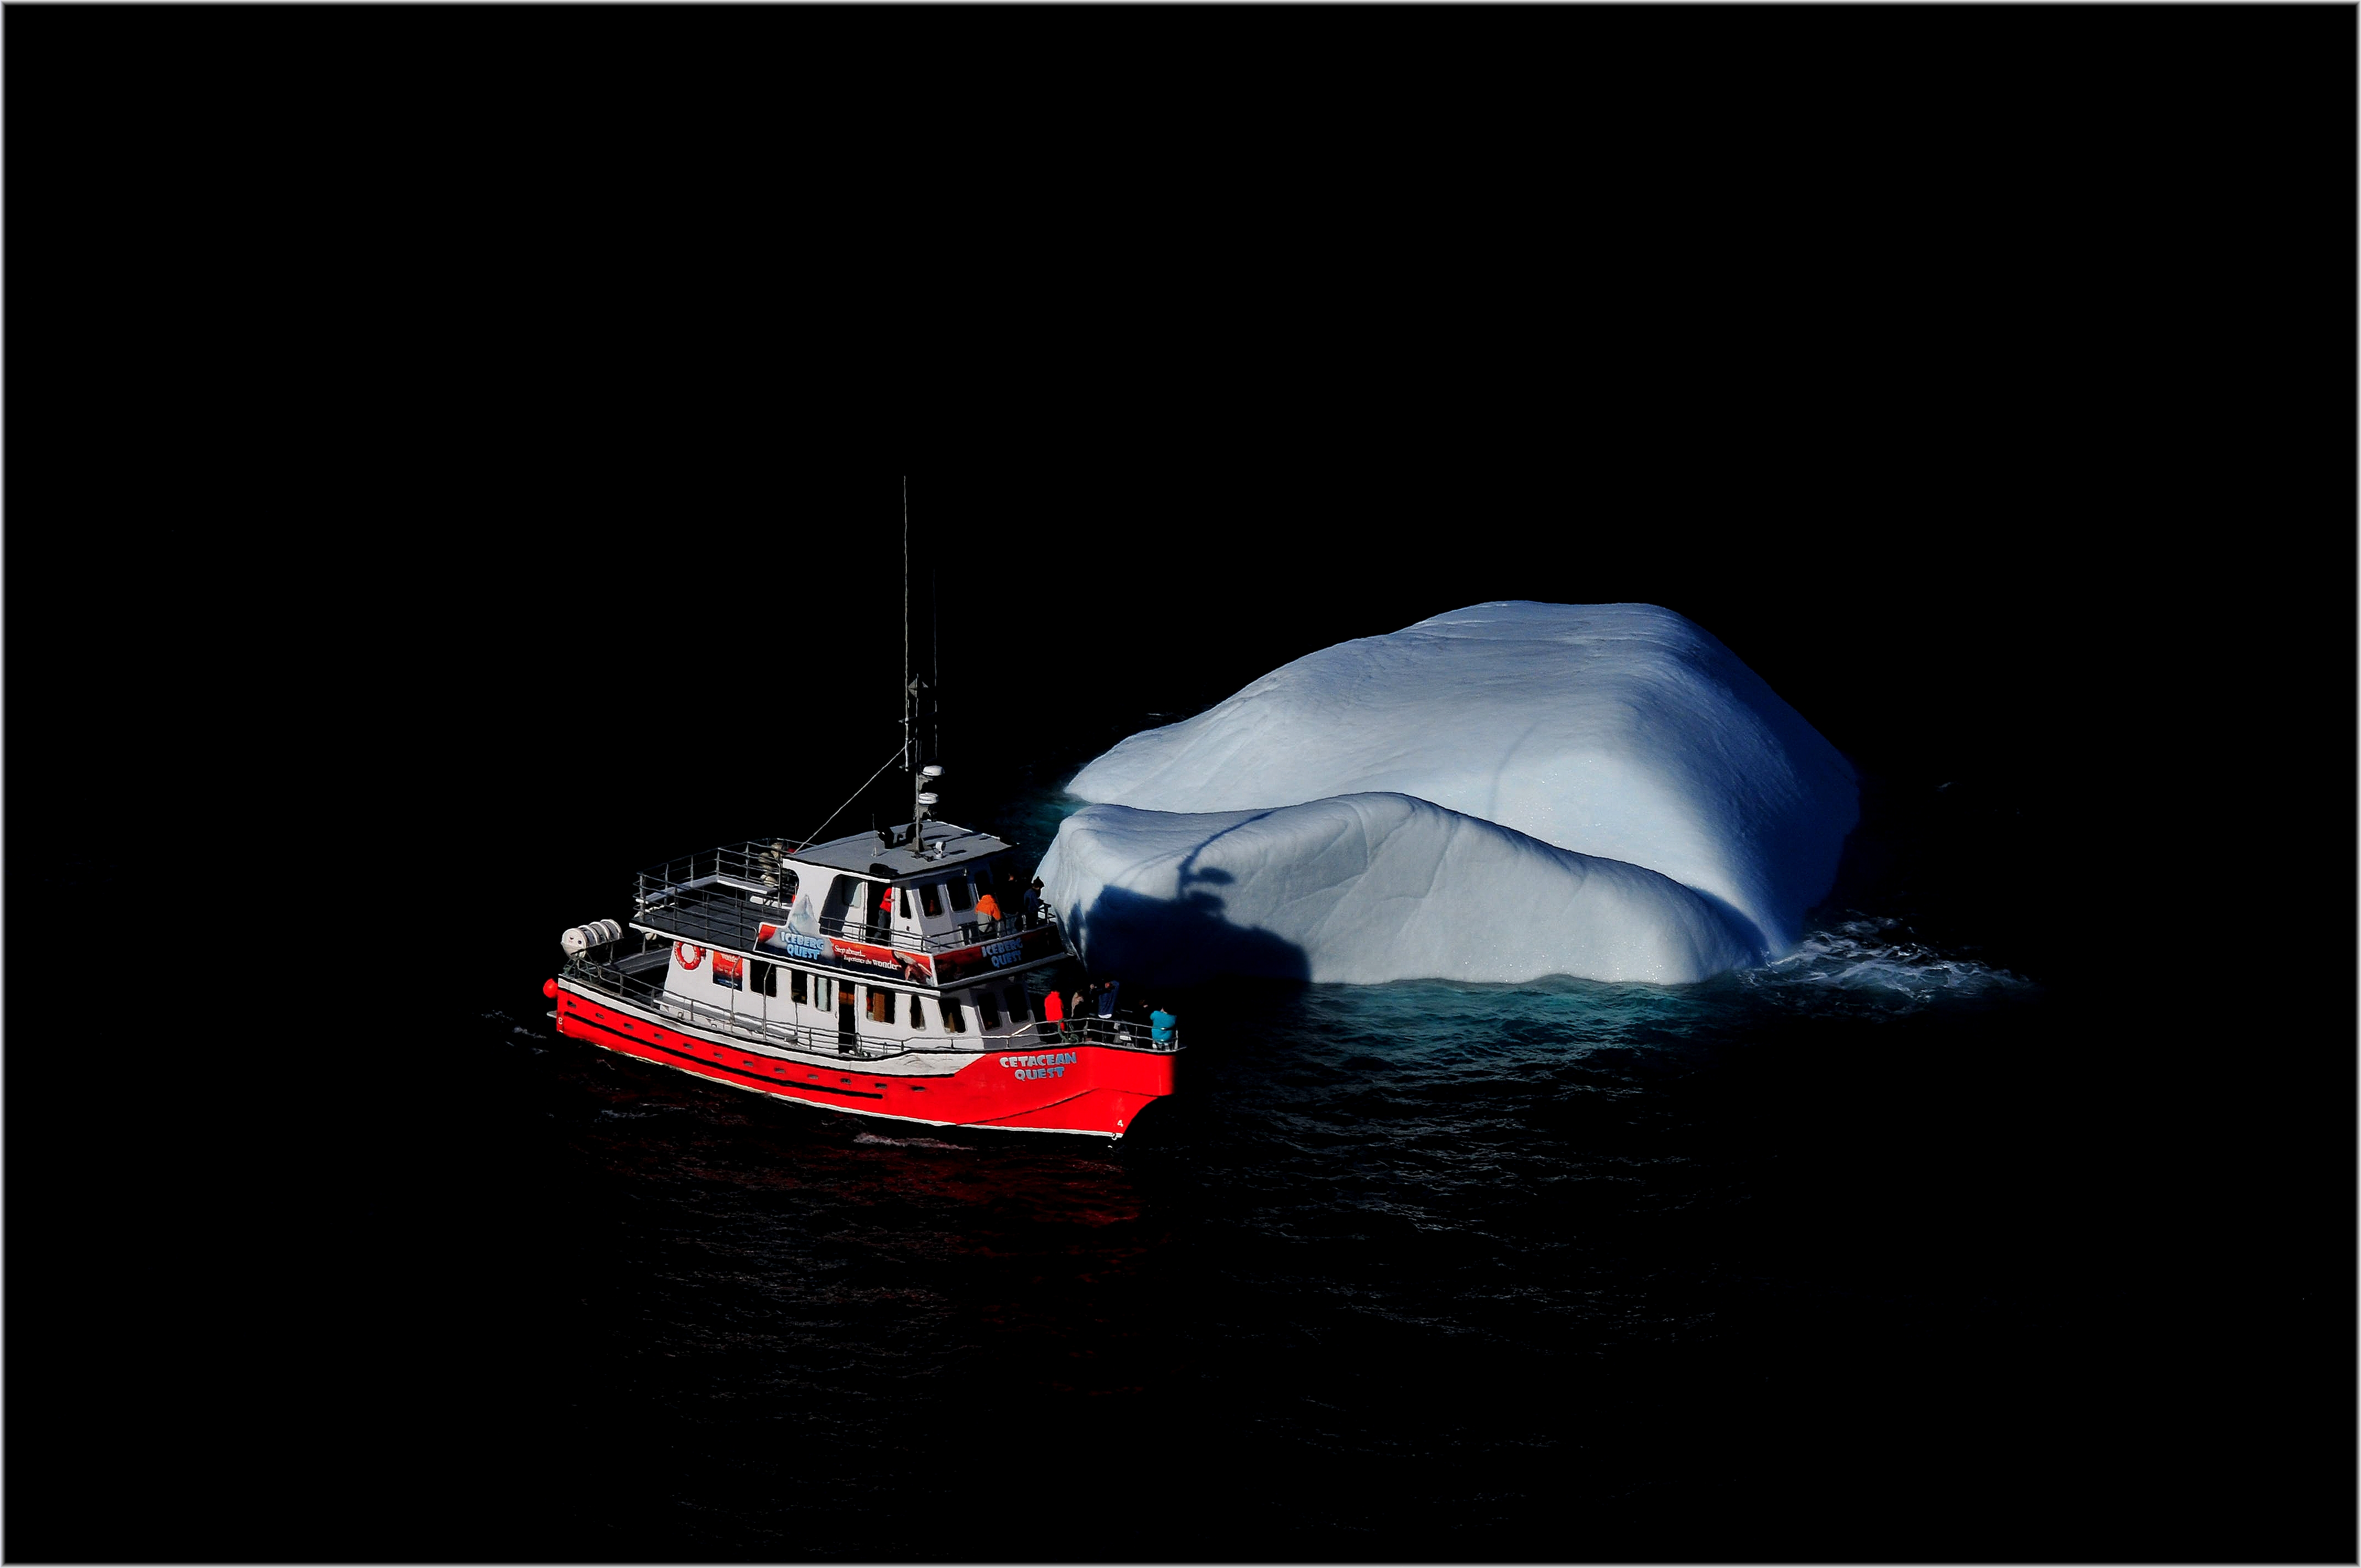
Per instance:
x=740, y=875
x=971, y=933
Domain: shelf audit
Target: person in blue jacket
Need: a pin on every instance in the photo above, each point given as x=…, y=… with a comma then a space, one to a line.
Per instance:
x=1162, y=1023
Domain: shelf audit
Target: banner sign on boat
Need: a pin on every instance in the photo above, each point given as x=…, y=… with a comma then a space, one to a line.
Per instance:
x=944, y=968
x=843, y=953
x=730, y=969
x=1040, y=942
x=788, y=943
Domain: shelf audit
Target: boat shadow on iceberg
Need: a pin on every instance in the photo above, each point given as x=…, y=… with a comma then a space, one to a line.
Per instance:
x=1371, y=888
x=1176, y=941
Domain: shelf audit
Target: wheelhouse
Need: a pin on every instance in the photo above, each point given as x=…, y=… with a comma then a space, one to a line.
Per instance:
x=892, y=974
x=860, y=946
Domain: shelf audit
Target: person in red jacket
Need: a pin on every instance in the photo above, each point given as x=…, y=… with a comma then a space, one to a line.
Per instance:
x=1053, y=1012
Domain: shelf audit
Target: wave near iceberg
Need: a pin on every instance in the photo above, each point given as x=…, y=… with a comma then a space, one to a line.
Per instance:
x=1602, y=791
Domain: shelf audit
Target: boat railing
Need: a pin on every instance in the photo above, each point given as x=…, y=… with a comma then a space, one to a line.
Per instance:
x=828, y=1040
x=756, y=866
x=1120, y=1032
x=723, y=897
x=968, y=934
x=651, y=995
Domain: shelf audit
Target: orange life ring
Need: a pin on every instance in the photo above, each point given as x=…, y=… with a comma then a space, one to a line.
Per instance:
x=689, y=957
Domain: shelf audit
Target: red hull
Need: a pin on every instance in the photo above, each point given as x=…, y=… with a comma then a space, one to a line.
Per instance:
x=1096, y=1090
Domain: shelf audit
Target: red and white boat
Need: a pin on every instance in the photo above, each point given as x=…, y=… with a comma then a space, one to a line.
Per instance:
x=857, y=974
x=867, y=973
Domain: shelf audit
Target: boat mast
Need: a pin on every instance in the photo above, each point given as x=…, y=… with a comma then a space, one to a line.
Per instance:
x=926, y=773
x=909, y=754
x=935, y=661
x=909, y=692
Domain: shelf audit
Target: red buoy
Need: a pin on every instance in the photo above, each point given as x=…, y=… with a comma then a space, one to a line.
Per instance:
x=549, y=988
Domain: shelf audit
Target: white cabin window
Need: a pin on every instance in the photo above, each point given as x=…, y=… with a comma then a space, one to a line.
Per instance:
x=881, y=1005
x=1020, y=1006
x=930, y=898
x=954, y=1019
x=962, y=897
x=987, y=1007
x=796, y=992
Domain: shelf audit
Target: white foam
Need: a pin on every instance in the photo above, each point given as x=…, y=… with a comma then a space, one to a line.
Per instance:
x=1877, y=961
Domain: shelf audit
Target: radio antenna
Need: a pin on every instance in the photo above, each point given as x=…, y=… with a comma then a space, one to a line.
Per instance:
x=910, y=694
x=935, y=653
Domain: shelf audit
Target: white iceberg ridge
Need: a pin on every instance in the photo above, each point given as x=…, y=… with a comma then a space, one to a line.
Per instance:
x=1369, y=887
x=1499, y=793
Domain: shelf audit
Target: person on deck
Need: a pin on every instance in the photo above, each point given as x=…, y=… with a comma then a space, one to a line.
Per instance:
x=1107, y=990
x=1033, y=904
x=988, y=908
x=1053, y=1012
x=1161, y=1023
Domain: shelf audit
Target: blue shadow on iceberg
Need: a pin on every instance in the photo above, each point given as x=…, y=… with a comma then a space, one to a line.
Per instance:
x=1749, y=936
x=1179, y=941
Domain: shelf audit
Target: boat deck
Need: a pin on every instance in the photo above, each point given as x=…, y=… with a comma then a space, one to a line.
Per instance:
x=712, y=917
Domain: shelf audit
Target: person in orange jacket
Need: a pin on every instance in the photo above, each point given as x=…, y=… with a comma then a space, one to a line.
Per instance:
x=988, y=908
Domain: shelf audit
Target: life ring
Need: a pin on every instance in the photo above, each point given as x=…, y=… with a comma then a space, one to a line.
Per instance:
x=689, y=957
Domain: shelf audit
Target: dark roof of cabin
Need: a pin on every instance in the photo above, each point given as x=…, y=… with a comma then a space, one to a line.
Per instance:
x=862, y=853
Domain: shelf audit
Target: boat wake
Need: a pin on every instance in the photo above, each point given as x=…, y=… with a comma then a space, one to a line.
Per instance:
x=906, y=1143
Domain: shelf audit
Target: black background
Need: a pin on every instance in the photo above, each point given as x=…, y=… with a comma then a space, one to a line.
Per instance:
x=441, y=442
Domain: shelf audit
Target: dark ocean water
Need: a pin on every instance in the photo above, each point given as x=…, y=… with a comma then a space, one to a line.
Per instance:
x=1896, y=1249
x=1403, y=1268
x=1869, y=1254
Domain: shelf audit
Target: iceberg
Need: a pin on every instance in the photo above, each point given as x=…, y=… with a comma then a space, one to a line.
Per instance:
x=1367, y=888
x=1624, y=734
